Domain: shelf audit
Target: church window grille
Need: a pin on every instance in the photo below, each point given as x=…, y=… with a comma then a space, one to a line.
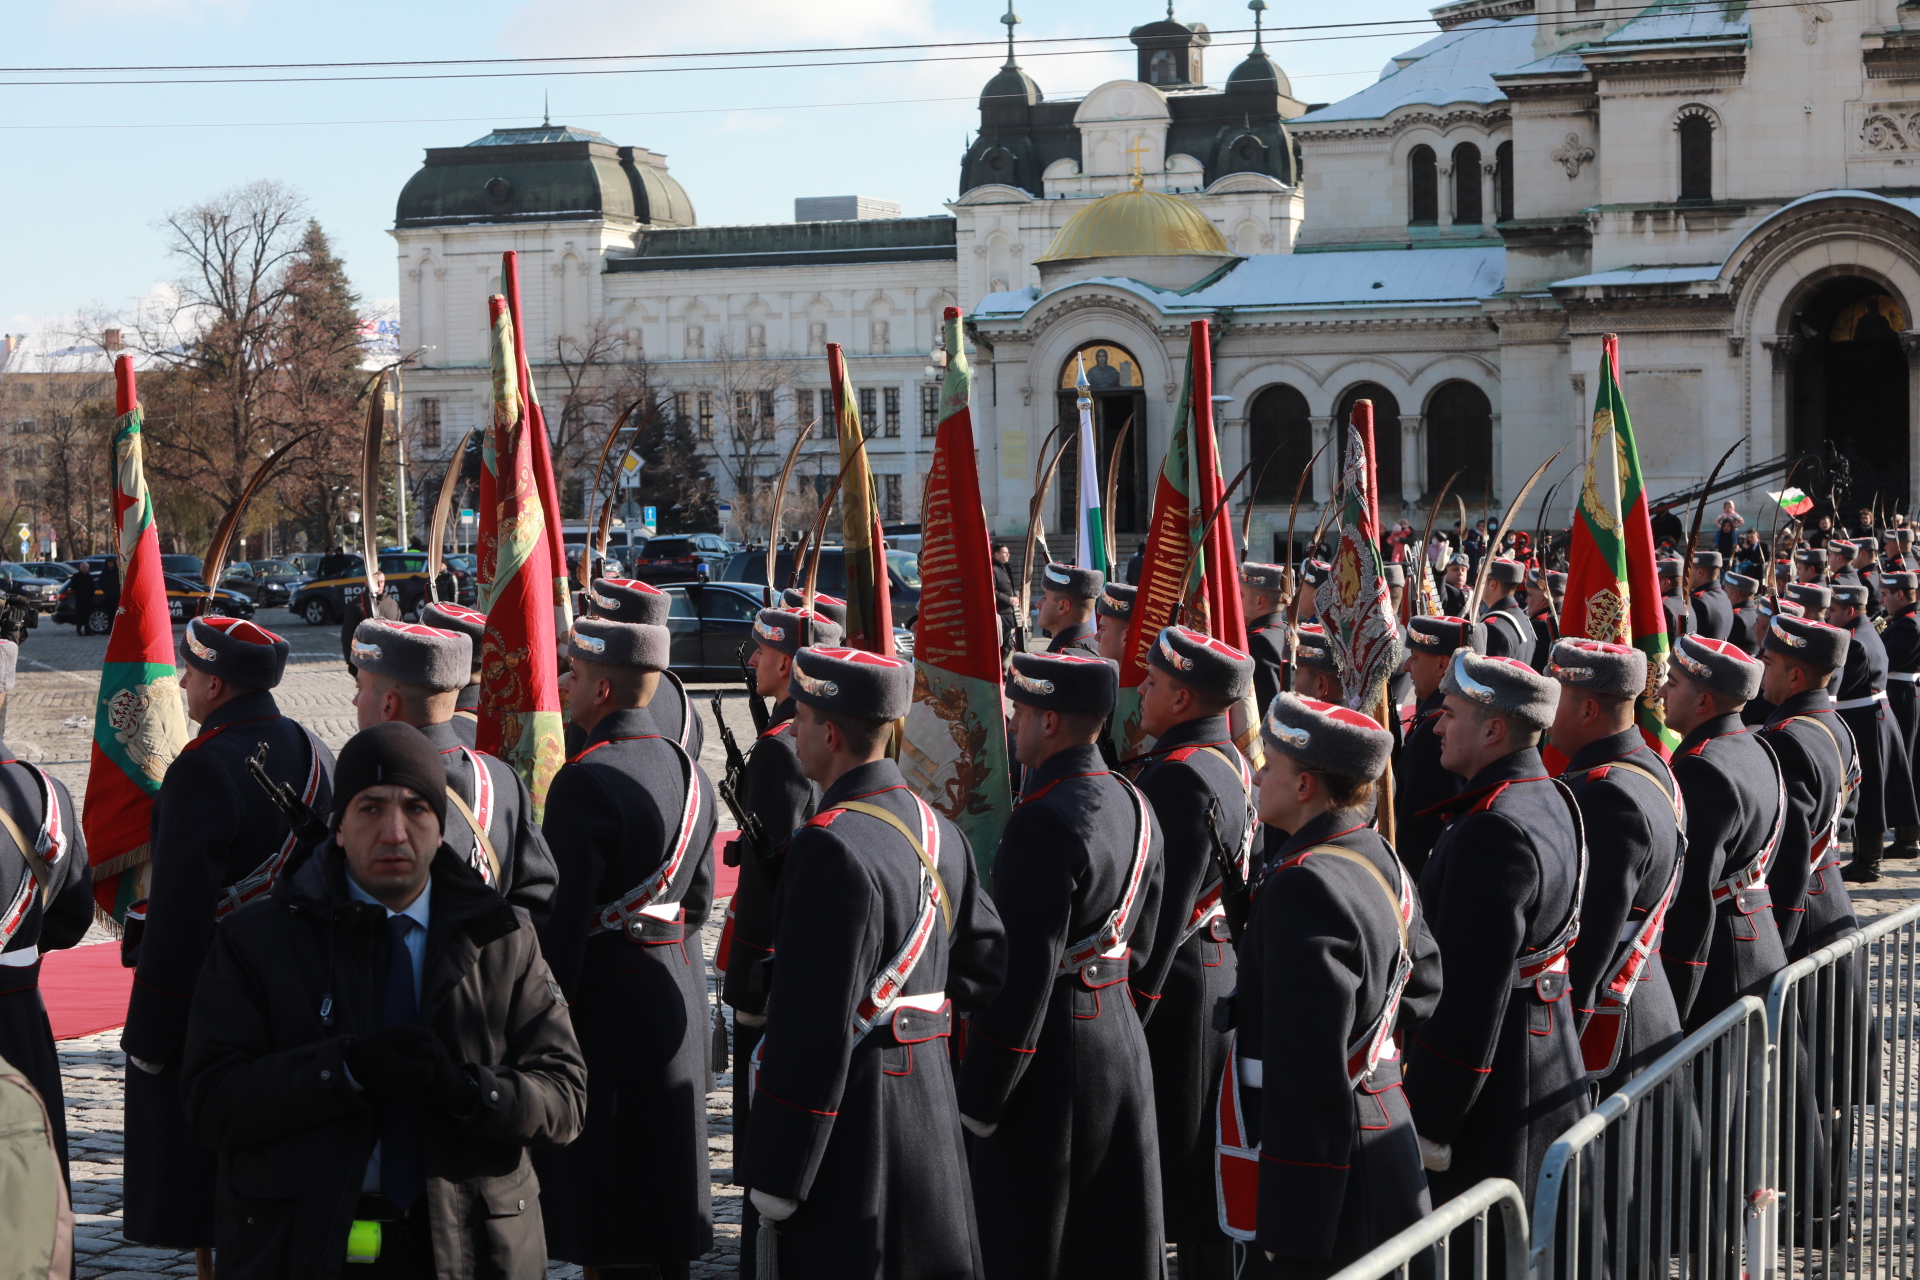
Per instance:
x=1467, y=210
x=1696, y=157
x=1423, y=186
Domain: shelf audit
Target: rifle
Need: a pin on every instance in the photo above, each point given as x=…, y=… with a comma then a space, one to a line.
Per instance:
x=752, y=835
x=1235, y=895
x=755, y=707
x=310, y=829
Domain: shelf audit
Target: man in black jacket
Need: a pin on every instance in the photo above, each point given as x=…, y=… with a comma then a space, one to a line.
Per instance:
x=379, y=1041
x=1712, y=611
x=1066, y=607
x=643, y=604
x=1420, y=781
x=472, y=624
x=1509, y=630
x=1263, y=595
x=1746, y=628
x=218, y=842
x=1004, y=597
x=1886, y=796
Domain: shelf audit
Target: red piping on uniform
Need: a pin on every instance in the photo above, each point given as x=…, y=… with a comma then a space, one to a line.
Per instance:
x=1009, y=1048
x=1455, y=1061
x=760, y=1090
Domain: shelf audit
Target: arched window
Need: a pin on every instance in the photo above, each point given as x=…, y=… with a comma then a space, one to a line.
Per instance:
x=1423, y=187
x=1386, y=436
x=1467, y=209
x=1696, y=157
x=1503, y=166
x=1459, y=438
x=1279, y=443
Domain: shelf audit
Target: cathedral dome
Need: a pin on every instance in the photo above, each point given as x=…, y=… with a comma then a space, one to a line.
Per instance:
x=1137, y=224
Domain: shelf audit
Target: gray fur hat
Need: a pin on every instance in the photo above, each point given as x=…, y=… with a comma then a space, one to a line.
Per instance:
x=1312, y=650
x=411, y=653
x=1116, y=601
x=1336, y=739
x=239, y=652
x=1506, y=686
x=1262, y=577
x=1072, y=580
x=1209, y=665
x=470, y=623
x=1508, y=570
x=1396, y=573
x=1852, y=593
x=791, y=630
x=1901, y=581
x=619, y=644
x=853, y=682
x=626, y=600
x=1707, y=560
x=1742, y=581
x=1719, y=665
x=1063, y=682
x=1445, y=634
x=1810, y=596
x=1615, y=670
x=824, y=605
x=1804, y=640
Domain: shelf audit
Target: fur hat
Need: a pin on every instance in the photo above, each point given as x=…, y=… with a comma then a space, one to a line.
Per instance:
x=1211, y=666
x=1063, y=682
x=620, y=644
x=1506, y=686
x=1324, y=736
x=413, y=654
x=239, y=652
x=853, y=682
x=1616, y=670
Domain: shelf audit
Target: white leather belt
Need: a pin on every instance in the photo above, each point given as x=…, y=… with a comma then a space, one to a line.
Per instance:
x=19, y=959
x=932, y=1002
x=1855, y=704
x=1904, y=677
x=1251, y=1073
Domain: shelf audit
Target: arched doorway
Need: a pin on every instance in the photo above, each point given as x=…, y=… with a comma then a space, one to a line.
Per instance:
x=1459, y=438
x=1848, y=391
x=1118, y=392
x=1386, y=437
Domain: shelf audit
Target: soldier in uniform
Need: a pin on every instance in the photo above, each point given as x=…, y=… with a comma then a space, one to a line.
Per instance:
x=1546, y=617
x=1840, y=570
x=1712, y=611
x=1509, y=630
x=1306, y=605
x=218, y=843
x=1263, y=595
x=1066, y=607
x=1901, y=639
x=776, y=791
x=1201, y=790
x=1453, y=586
x=1886, y=798
x=413, y=673
x=1114, y=614
x=1721, y=940
x=1337, y=968
x=46, y=891
x=1495, y=1075
x=857, y=1166
x=472, y=624
x=1057, y=1087
x=1808, y=565
x=1620, y=991
x=1745, y=627
x=1420, y=781
x=1316, y=674
x=1671, y=601
x=630, y=820
x=625, y=600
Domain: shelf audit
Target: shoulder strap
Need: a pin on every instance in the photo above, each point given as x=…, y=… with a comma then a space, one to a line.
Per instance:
x=1673, y=797
x=1394, y=900
x=686, y=709
x=42, y=872
x=491, y=871
x=913, y=841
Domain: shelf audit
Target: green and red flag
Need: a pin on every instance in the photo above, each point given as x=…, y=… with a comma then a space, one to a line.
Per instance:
x=519, y=675
x=538, y=442
x=1353, y=602
x=1613, y=587
x=869, y=607
x=139, y=725
x=954, y=748
x=1794, y=502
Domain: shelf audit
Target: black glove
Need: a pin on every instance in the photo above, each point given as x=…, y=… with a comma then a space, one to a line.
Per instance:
x=452, y=1089
x=392, y=1063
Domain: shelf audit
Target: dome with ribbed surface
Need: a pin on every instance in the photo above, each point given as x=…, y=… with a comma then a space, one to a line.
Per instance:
x=1137, y=224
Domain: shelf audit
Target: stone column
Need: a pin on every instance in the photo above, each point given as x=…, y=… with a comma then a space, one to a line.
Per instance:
x=1489, y=193
x=1326, y=471
x=1413, y=457
x=1443, y=166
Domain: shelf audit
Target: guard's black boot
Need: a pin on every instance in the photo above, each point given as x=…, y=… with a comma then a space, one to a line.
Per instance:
x=1906, y=843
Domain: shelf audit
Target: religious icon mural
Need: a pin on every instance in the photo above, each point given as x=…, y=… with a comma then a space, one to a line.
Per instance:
x=1110, y=367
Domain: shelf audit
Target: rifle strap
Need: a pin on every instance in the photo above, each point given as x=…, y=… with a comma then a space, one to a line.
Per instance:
x=42, y=873
x=479, y=832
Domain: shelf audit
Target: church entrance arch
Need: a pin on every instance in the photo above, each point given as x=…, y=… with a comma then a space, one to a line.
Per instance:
x=1847, y=391
x=1115, y=385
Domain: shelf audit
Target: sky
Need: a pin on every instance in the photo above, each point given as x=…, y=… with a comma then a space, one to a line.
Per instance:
x=96, y=166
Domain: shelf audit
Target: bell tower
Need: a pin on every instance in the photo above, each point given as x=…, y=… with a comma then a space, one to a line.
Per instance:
x=1170, y=52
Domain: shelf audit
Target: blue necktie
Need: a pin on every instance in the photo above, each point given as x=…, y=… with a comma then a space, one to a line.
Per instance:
x=402, y=1169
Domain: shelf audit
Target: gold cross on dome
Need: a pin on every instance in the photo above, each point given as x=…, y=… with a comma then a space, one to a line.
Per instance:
x=1138, y=149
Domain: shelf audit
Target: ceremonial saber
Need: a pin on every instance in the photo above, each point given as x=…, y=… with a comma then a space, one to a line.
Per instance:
x=442, y=507
x=1693, y=534
x=1113, y=491
x=1253, y=496
x=1506, y=520
x=223, y=536
x=1426, y=537
x=820, y=523
x=1036, y=508
x=1290, y=580
x=1199, y=551
x=779, y=506
x=379, y=404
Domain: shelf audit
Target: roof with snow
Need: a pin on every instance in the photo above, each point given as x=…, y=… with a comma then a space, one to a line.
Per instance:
x=1454, y=66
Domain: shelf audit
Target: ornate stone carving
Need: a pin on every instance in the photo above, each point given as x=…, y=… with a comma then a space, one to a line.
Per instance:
x=1812, y=14
x=1889, y=128
x=1571, y=155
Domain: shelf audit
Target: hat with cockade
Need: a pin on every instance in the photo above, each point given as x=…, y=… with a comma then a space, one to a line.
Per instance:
x=1852, y=593
x=1707, y=560
x=1842, y=547
x=790, y=630
x=1742, y=581
x=620, y=644
x=1334, y=739
x=1314, y=572
x=1072, y=580
x=826, y=606
x=1461, y=559
x=1116, y=601
x=470, y=623
x=1718, y=665
x=626, y=600
x=1790, y=608
x=1596, y=666
x=853, y=682
x=1667, y=566
x=1312, y=650
x=1804, y=640
x=414, y=654
x=1262, y=577
x=1444, y=634
x=1903, y=536
x=1211, y=666
x=1807, y=555
x=1063, y=681
x=1810, y=596
x=1508, y=570
x=1505, y=686
x=1396, y=573
x=1900, y=581
x=239, y=652
x=390, y=754
x=1557, y=580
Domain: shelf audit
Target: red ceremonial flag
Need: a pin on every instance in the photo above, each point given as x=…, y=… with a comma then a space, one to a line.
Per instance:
x=539, y=444
x=139, y=725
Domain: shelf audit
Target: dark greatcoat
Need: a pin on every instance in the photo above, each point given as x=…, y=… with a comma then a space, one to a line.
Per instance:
x=1746, y=629
x=56, y=919
x=1419, y=784
x=1069, y=1185
x=527, y=873
x=672, y=718
x=1671, y=605
x=1546, y=633
x=466, y=714
x=1496, y=1071
x=1810, y=910
x=1340, y=1167
x=1077, y=637
x=1714, y=954
x=1628, y=870
x=1901, y=640
x=1269, y=640
x=1453, y=600
x=1509, y=631
x=1712, y=613
x=266, y=1082
x=863, y=1130
x=1885, y=798
x=639, y=1006
x=212, y=826
x=1183, y=980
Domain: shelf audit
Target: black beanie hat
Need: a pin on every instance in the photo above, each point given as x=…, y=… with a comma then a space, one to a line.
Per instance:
x=394, y=754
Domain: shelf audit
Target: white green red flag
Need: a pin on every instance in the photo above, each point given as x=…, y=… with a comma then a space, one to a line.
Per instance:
x=1090, y=545
x=519, y=676
x=869, y=607
x=139, y=725
x=1792, y=501
x=1613, y=586
x=954, y=750
x=1353, y=601
x=538, y=442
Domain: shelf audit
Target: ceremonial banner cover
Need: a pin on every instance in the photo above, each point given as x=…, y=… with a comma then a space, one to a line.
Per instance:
x=1354, y=603
x=519, y=688
x=139, y=725
x=537, y=441
x=954, y=751
x=1090, y=530
x=1613, y=588
x=869, y=608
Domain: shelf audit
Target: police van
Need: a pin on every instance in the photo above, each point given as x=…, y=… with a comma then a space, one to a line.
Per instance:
x=324, y=600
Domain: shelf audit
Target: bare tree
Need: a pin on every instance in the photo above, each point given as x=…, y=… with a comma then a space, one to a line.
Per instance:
x=749, y=390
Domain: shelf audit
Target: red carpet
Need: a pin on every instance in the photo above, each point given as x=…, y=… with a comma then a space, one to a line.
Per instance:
x=85, y=989
x=725, y=878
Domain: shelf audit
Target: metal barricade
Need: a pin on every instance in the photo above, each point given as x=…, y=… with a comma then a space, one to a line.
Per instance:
x=1844, y=1082
x=1401, y=1256
x=1655, y=1181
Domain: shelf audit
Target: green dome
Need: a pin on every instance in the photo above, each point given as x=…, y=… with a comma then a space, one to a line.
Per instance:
x=549, y=173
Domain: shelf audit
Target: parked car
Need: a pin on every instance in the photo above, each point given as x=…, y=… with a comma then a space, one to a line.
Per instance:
x=58, y=570
x=305, y=561
x=185, y=566
x=903, y=576
x=265, y=582
x=610, y=567
x=679, y=557
x=709, y=621
x=192, y=598
x=44, y=592
x=324, y=600
x=465, y=569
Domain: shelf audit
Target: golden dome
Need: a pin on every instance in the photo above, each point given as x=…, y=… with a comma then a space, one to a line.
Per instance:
x=1137, y=224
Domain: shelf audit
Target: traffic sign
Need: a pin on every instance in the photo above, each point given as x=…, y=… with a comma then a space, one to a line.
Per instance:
x=649, y=516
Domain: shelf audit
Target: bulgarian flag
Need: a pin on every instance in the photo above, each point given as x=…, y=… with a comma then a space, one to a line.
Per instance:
x=1792, y=501
x=1090, y=551
x=954, y=749
x=538, y=442
x=869, y=607
x=1613, y=589
x=139, y=725
x=519, y=676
